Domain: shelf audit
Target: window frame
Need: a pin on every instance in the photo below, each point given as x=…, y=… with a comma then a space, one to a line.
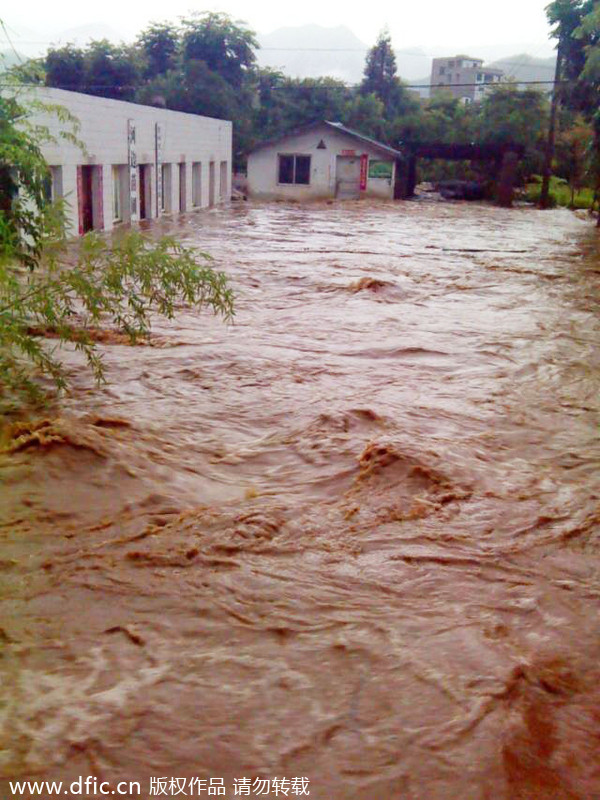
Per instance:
x=295, y=156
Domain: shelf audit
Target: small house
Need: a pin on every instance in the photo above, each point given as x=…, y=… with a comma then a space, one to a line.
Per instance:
x=324, y=160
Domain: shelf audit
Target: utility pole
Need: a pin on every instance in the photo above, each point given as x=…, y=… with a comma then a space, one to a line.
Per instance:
x=551, y=131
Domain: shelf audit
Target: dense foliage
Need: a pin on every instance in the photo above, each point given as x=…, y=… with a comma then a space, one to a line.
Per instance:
x=577, y=30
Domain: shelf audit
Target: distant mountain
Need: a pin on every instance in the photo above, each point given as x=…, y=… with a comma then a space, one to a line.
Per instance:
x=10, y=58
x=525, y=68
x=312, y=51
x=82, y=34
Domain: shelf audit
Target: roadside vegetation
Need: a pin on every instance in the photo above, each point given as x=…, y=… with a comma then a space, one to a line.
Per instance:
x=561, y=194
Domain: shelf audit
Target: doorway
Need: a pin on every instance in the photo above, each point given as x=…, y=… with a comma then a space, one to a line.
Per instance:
x=86, y=199
x=90, y=197
x=145, y=190
x=347, y=174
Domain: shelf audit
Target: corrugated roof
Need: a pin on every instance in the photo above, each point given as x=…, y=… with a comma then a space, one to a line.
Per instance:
x=337, y=126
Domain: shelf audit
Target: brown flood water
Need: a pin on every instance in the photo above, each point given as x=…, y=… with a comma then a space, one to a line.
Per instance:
x=352, y=537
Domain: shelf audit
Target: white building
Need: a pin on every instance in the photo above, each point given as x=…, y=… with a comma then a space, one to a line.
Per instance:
x=323, y=160
x=139, y=162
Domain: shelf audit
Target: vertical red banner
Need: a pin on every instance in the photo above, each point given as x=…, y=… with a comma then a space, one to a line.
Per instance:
x=364, y=165
x=80, y=199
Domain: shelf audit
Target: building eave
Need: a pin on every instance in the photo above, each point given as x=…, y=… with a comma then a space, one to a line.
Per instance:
x=334, y=126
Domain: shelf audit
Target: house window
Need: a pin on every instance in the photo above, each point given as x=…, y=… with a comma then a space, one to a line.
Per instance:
x=294, y=169
x=442, y=70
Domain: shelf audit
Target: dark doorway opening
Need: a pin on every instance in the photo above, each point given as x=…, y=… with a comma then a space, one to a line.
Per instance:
x=87, y=199
x=144, y=191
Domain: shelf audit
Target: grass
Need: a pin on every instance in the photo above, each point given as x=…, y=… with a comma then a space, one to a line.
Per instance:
x=560, y=193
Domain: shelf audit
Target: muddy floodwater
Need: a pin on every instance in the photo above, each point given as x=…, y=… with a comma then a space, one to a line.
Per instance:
x=352, y=537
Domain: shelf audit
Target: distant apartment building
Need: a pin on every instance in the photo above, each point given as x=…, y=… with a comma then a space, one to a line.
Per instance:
x=464, y=77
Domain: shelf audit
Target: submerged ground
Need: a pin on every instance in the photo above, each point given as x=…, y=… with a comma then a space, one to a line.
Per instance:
x=352, y=537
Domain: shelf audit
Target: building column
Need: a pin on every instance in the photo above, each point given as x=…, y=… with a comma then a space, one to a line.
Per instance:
x=506, y=179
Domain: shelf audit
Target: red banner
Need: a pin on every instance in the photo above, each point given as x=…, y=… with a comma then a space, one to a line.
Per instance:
x=364, y=164
x=80, y=199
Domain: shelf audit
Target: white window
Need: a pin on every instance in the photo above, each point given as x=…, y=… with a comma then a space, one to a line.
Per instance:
x=294, y=169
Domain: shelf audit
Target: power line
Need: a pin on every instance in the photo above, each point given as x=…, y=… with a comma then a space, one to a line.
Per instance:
x=441, y=86
x=365, y=49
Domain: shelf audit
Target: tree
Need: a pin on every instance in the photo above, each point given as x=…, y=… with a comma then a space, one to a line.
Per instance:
x=111, y=70
x=577, y=29
x=511, y=115
x=312, y=99
x=159, y=44
x=366, y=113
x=65, y=67
x=123, y=282
x=573, y=151
x=380, y=77
x=28, y=223
x=103, y=69
x=226, y=47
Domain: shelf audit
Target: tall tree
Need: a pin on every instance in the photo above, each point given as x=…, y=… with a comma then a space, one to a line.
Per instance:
x=577, y=29
x=380, y=76
x=111, y=70
x=160, y=45
x=366, y=113
x=226, y=47
x=65, y=67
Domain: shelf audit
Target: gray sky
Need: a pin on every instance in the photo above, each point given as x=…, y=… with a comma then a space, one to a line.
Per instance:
x=429, y=25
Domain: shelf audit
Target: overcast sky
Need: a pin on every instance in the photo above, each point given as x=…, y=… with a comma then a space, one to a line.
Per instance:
x=428, y=24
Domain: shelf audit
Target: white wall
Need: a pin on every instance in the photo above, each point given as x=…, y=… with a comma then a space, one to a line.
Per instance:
x=263, y=166
x=186, y=137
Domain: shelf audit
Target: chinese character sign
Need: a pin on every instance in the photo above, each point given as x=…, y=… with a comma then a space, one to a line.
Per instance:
x=364, y=162
x=133, y=171
x=159, y=141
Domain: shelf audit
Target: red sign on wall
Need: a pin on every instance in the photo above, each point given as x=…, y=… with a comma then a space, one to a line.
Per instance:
x=348, y=152
x=364, y=163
